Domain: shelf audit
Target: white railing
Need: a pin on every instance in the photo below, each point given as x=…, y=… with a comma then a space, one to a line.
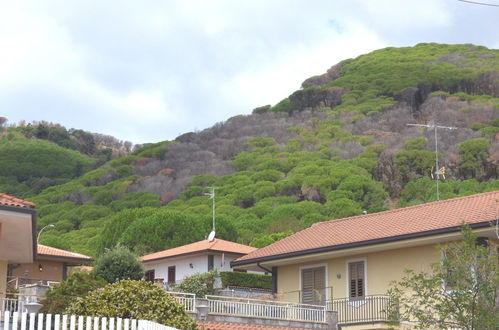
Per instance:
x=23, y=321
x=11, y=304
x=188, y=300
x=15, y=282
x=266, y=309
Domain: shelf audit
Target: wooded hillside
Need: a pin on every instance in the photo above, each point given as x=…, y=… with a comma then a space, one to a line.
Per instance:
x=337, y=147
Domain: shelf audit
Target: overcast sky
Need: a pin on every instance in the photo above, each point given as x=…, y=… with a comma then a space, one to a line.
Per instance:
x=147, y=71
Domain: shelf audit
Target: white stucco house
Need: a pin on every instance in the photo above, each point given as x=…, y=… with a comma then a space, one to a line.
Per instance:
x=173, y=265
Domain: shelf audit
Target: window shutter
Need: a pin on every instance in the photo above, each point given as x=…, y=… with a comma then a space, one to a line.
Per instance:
x=356, y=280
x=313, y=285
x=307, y=286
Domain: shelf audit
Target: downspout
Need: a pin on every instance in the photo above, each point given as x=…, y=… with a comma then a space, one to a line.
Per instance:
x=274, y=276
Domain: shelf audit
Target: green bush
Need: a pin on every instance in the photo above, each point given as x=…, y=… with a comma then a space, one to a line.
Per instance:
x=118, y=264
x=133, y=299
x=200, y=284
x=247, y=280
x=65, y=292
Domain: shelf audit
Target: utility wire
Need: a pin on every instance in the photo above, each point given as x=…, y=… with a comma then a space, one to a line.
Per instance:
x=480, y=3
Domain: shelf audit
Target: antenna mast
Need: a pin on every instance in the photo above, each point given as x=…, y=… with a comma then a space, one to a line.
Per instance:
x=437, y=170
x=212, y=197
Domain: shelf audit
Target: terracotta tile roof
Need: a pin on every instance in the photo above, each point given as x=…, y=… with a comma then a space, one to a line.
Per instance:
x=404, y=221
x=204, y=245
x=235, y=326
x=14, y=201
x=48, y=251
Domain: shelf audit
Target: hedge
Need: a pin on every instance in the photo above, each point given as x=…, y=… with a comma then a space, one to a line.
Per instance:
x=247, y=280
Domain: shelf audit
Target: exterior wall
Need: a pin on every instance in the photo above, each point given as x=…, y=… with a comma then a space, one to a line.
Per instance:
x=3, y=277
x=225, y=266
x=381, y=267
x=52, y=270
x=183, y=268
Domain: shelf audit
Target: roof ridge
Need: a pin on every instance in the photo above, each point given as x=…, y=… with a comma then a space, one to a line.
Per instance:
x=404, y=208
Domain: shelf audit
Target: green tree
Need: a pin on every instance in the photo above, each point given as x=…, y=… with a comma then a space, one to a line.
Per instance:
x=462, y=291
x=164, y=229
x=133, y=299
x=269, y=239
x=474, y=153
x=118, y=264
x=62, y=294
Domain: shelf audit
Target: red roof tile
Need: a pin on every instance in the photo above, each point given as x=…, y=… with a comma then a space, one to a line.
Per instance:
x=14, y=201
x=48, y=251
x=201, y=246
x=235, y=326
x=404, y=221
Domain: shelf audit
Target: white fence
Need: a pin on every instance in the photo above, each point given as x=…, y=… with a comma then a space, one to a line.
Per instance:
x=266, y=309
x=23, y=321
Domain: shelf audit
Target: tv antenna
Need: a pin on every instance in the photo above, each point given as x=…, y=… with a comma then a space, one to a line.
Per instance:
x=211, y=194
x=438, y=171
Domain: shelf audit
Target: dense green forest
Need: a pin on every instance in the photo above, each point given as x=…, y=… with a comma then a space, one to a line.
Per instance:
x=339, y=146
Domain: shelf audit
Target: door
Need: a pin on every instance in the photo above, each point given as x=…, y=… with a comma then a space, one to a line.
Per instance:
x=171, y=274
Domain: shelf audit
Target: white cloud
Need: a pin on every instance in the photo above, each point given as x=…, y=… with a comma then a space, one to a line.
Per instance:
x=278, y=79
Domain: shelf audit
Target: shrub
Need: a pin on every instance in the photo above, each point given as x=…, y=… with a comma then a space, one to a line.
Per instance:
x=65, y=292
x=133, y=299
x=200, y=284
x=118, y=264
x=247, y=280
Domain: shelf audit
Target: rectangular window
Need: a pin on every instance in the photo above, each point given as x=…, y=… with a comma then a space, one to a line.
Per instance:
x=149, y=275
x=171, y=274
x=211, y=262
x=313, y=285
x=356, y=280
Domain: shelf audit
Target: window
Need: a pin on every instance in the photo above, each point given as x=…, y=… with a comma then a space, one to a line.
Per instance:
x=356, y=280
x=171, y=274
x=149, y=275
x=313, y=285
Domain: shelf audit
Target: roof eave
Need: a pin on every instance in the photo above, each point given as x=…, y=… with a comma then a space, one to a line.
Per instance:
x=44, y=256
x=358, y=244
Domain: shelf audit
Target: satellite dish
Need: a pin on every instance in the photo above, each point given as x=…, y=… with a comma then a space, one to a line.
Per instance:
x=211, y=236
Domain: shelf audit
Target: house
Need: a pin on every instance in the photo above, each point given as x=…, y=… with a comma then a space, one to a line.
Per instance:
x=349, y=264
x=50, y=265
x=173, y=265
x=17, y=234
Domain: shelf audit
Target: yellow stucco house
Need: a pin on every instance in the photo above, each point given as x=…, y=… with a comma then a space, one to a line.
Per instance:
x=348, y=264
x=17, y=234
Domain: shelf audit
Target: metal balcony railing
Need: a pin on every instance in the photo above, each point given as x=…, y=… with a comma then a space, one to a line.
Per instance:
x=375, y=308
x=266, y=309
